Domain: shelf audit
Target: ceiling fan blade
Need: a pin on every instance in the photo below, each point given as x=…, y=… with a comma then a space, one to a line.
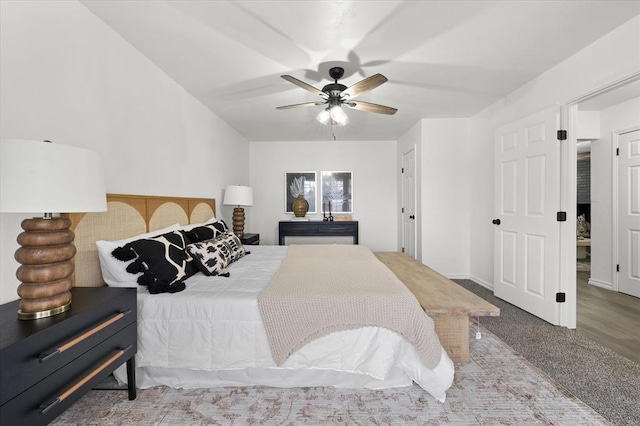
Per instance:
x=369, y=107
x=364, y=86
x=306, y=104
x=304, y=85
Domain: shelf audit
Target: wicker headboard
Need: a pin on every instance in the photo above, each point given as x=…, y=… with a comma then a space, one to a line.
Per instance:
x=127, y=216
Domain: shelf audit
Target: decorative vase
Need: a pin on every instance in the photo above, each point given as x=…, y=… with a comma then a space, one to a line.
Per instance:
x=300, y=206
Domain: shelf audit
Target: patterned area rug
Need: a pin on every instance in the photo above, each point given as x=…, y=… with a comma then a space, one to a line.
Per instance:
x=498, y=387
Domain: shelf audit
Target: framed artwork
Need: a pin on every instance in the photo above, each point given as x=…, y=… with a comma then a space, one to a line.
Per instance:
x=336, y=192
x=300, y=182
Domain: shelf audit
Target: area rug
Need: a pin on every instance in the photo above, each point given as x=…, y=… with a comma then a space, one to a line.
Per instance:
x=497, y=387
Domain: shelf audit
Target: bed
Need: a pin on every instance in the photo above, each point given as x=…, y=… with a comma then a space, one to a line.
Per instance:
x=219, y=330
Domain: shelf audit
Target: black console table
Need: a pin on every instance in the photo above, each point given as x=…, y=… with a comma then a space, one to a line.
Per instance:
x=318, y=229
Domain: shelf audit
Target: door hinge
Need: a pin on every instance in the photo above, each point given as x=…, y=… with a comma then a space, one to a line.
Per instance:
x=562, y=135
x=402, y=170
x=561, y=297
x=561, y=216
x=403, y=210
x=403, y=249
x=617, y=151
x=618, y=267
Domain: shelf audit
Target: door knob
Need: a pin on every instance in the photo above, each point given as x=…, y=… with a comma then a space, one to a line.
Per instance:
x=496, y=221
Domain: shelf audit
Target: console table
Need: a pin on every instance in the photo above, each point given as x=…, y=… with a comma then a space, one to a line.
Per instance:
x=318, y=229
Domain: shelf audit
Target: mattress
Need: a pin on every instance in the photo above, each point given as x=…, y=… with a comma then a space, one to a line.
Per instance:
x=211, y=334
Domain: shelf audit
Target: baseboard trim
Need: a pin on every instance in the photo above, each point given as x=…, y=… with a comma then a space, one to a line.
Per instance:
x=597, y=283
x=481, y=282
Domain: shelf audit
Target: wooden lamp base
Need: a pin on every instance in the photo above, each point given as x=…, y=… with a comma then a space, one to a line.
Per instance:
x=46, y=267
x=238, y=221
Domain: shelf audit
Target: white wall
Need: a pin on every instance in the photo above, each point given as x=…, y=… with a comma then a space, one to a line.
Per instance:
x=614, y=119
x=609, y=59
x=67, y=77
x=375, y=177
x=445, y=182
x=442, y=190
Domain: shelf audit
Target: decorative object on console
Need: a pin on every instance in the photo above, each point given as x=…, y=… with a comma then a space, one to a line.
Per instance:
x=325, y=207
x=300, y=190
x=237, y=195
x=39, y=176
x=337, y=191
x=300, y=206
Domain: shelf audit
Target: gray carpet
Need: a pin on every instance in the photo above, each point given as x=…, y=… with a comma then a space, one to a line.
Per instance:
x=607, y=382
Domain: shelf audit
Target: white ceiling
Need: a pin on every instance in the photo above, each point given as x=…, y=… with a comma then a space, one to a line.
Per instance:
x=442, y=58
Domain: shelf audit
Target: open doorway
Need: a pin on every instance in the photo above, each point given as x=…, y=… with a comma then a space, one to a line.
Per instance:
x=583, y=207
x=602, y=312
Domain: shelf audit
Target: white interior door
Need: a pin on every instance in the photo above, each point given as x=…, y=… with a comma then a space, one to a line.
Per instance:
x=409, y=203
x=629, y=213
x=527, y=198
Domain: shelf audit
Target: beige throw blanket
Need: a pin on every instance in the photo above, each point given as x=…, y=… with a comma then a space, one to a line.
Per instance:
x=320, y=289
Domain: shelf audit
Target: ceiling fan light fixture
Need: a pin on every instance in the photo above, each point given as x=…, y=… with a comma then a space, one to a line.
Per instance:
x=338, y=115
x=324, y=116
x=335, y=94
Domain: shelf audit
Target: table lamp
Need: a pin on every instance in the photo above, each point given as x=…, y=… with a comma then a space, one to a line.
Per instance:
x=36, y=177
x=236, y=195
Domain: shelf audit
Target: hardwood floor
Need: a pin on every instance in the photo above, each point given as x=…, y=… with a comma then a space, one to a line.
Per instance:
x=610, y=318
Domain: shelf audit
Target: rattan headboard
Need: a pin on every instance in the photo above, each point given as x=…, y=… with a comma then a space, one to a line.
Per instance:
x=127, y=216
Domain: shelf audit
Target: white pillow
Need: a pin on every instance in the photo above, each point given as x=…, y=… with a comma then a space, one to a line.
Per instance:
x=114, y=271
x=193, y=225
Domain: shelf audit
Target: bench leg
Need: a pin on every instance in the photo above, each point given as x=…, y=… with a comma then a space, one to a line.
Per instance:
x=453, y=332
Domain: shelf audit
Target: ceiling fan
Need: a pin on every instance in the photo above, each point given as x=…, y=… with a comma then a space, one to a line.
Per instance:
x=334, y=95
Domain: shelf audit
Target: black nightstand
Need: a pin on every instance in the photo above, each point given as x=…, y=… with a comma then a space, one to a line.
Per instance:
x=250, y=239
x=47, y=364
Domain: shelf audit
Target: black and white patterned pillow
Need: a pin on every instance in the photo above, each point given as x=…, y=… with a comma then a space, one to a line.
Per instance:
x=163, y=261
x=212, y=257
x=208, y=231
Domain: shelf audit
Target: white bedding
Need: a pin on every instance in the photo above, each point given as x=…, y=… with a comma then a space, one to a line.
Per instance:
x=211, y=334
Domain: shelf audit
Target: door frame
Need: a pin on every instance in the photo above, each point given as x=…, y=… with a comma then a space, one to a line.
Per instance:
x=568, y=182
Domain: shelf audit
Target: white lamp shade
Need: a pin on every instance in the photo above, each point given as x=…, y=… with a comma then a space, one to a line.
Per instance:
x=44, y=177
x=237, y=195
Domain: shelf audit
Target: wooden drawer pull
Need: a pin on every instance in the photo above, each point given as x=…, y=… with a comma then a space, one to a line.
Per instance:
x=85, y=379
x=45, y=356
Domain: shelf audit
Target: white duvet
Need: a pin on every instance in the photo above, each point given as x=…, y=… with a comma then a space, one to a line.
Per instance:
x=211, y=334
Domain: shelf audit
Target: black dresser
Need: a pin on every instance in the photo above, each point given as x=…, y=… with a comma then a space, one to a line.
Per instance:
x=47, y=364
x=318, y=229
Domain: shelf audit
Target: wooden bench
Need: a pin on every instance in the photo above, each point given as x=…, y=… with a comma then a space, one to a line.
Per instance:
x=447, y=303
